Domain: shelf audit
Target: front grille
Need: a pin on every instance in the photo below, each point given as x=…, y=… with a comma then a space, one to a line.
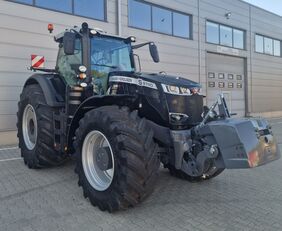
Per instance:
x=189, y=105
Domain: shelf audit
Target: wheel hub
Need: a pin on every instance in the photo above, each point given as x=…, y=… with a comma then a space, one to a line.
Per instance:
x=98, y=160
x=29, y=127
x=103, y=158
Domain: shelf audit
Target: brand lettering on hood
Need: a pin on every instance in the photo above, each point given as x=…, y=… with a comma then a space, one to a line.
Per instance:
x=138, y=82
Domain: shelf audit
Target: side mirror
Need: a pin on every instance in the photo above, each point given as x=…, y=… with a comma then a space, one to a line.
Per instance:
x=69, y=43
x=154, y=52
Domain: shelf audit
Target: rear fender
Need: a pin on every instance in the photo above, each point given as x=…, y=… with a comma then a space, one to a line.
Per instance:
x=52, y=86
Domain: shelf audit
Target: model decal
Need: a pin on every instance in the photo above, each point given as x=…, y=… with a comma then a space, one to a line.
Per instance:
x=139, y=82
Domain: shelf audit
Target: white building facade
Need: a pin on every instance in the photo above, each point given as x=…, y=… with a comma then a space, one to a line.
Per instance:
x=228, y=46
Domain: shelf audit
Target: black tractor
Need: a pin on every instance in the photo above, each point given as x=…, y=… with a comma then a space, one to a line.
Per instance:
x=120, y=124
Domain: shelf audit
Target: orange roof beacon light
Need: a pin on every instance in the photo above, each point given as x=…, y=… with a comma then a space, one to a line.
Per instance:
x=50, y=28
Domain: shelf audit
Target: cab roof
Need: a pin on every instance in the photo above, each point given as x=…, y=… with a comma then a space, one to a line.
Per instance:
x=76, y=29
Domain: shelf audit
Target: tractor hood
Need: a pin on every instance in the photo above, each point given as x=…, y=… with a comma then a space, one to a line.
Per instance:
x=156, y=93
x=158, y=79
x=168, y=80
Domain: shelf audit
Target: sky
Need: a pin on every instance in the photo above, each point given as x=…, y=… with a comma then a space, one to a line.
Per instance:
x=274, y=6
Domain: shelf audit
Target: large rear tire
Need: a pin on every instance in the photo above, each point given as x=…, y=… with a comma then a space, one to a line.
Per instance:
x=35, y=129
x=117, y=158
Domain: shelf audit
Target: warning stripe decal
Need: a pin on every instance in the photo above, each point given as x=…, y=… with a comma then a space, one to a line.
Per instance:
x=37, y=61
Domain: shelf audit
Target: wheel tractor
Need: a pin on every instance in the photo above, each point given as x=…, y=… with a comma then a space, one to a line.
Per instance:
x=120, y=124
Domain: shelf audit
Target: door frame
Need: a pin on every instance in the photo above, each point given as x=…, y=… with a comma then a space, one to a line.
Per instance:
x=246, y=82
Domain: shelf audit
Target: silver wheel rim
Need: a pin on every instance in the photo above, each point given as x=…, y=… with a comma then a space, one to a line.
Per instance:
x=99, y=179
x=29, y=127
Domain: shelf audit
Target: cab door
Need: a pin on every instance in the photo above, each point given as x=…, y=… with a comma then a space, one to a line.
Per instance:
x=67, y=65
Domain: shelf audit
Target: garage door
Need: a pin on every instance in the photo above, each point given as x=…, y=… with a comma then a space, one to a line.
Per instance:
x=226, y=74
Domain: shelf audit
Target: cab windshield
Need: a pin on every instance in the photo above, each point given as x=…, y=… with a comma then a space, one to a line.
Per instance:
x=108, y=55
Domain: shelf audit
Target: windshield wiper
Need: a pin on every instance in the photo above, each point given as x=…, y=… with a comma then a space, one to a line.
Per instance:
x=104, y=65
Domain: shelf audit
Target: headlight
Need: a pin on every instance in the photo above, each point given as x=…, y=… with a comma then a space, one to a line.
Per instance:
x=174, y=90
x=82, y=69
x=185, y=91
x=195, y=90
x=178, y=117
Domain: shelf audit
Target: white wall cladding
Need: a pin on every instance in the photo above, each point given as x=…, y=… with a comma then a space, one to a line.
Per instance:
x=266, y=72
x=23, y=31
x=179, y=56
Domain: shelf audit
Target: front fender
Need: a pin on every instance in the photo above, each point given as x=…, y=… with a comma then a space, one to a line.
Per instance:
x=96, y=102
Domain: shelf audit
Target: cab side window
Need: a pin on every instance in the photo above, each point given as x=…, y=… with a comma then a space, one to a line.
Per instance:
x=67, y=65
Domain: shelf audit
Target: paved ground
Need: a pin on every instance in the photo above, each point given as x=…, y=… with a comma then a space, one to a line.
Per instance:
x=50, y=199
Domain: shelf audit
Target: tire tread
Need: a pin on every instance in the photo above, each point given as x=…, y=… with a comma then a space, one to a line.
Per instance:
x=136, y=154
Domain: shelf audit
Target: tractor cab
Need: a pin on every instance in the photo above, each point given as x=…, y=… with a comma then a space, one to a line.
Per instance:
x=86, y=57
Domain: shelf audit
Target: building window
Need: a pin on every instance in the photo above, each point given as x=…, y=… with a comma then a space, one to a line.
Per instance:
x=238, y=39
x=90, y=8
x=212, y=33
x=277, y=47
x=230, y=76
x=159, y=19
x=62, y=5
x=24, y=1
x=181, y=25
x=225, y=35
x=95, y=9
x=259, y=44
x=140, y=15
x=266, y=45
x=162, y=20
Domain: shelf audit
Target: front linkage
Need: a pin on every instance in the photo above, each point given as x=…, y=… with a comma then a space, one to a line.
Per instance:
x=220, y=142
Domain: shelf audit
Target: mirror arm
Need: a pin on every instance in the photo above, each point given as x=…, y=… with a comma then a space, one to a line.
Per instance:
x=140, y=45
x=76, y=32
x=139, y=63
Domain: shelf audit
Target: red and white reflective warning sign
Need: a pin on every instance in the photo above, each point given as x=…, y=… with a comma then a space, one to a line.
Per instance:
x=37, y=61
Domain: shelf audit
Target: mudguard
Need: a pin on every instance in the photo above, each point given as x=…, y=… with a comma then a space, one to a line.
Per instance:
x=52, y=86
x=244, y=143
x=95, y=102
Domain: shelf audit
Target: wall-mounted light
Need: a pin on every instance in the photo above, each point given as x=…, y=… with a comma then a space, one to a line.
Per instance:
x=228, y=15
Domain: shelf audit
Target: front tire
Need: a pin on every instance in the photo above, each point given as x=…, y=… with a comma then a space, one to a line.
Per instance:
x=35, y=129
x=130, y=161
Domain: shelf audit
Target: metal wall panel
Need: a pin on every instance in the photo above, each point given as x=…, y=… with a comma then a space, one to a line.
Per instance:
x=266, y=70
x=24, y=32
x=7, y=122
